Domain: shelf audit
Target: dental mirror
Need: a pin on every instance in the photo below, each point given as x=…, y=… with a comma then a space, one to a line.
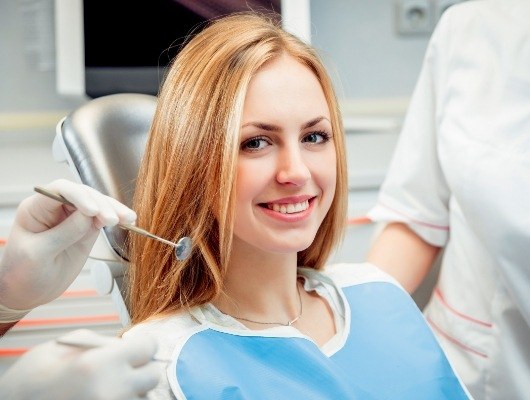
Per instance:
x=182, y=247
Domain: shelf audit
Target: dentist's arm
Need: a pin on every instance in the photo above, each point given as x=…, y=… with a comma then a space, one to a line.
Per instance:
x=48, y=245
x=403, y=254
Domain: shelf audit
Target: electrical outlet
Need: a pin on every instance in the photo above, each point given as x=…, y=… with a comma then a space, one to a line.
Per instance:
x=441, y=5
x=414, y=17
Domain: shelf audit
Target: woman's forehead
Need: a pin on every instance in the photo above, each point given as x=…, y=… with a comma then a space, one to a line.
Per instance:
x=284, y=88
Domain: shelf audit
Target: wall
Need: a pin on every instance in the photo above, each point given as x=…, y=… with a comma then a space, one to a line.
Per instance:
x=377, y=74
x=27, y=58
x=358, y=38
x=29, y=111
x=29, y=105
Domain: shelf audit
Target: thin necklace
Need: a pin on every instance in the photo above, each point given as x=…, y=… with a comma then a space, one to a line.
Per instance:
x=289, y=323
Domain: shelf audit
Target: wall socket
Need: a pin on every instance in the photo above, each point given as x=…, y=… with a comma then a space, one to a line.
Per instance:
x=419, y=17
x=414, y=17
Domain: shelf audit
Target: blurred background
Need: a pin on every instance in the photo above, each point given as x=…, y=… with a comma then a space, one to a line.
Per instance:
x=373, y=49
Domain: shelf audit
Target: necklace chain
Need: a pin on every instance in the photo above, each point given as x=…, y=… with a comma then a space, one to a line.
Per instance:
x=289, y=323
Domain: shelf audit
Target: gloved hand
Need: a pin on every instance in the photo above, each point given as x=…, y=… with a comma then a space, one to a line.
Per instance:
x=49, y=242
x=119, y=369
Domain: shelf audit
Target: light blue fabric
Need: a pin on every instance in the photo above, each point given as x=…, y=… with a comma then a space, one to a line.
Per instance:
x=390, y=353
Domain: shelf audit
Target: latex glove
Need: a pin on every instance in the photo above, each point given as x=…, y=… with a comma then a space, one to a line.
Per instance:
x=49, y=242
x=120, y=369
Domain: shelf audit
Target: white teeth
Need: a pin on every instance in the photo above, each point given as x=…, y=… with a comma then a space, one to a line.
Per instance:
x=290, y=208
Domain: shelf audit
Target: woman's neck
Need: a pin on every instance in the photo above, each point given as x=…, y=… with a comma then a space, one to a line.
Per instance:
x=260, y=286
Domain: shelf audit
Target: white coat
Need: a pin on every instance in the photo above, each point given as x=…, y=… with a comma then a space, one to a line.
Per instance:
x=460, y=178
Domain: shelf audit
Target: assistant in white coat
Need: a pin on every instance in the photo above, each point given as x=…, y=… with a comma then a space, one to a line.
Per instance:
x=460, y=179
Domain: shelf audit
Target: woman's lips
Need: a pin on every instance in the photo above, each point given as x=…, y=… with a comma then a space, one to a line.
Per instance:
x=290, y=211
x=289, y=208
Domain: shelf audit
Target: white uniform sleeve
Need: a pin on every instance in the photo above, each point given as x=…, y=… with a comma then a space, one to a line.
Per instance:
x=415, y=191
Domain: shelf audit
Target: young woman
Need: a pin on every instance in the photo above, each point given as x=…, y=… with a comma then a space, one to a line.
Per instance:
x=246, y=156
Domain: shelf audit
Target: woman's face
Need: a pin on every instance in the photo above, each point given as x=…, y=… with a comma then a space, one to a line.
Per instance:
x=286, y=171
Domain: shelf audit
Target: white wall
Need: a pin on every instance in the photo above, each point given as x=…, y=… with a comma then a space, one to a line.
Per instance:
x=27, y=81
x=358, y=38
x=29, y=106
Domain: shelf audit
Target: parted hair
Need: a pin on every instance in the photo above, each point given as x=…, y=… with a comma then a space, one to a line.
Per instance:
x=187, y=178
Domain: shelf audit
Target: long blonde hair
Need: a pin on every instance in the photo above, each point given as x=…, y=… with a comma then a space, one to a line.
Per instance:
x=186, y=184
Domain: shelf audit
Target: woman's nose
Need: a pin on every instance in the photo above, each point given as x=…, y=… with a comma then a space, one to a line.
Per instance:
x=292, y=167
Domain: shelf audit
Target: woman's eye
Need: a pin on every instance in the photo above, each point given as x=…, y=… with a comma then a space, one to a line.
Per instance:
x=316, y=137
x=254, y=144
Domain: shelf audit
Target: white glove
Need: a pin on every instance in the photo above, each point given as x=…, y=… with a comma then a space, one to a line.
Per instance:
x=49, y=242
x=119, y=369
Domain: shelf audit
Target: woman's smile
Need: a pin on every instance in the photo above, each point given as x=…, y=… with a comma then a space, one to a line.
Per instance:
x=290, y=209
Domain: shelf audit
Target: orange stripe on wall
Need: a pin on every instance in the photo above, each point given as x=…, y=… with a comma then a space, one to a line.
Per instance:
x=16, y=352
x=359, y=221
x=79, y=293
x=71, y=320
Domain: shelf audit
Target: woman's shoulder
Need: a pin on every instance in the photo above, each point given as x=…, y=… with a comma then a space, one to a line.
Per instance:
x=164, y=328
x=350, y=274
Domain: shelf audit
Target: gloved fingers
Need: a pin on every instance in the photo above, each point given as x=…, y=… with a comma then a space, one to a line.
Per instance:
x=126, y=215
x=86, y=339
x=69, y=232
x=93, y=203
x=138, y=351
x=146, y=377
x=97, y=374
x=75, y=193
x=108, y=210
x=133, y=352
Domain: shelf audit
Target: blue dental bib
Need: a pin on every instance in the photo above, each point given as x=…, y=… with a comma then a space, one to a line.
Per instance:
x=389, y=353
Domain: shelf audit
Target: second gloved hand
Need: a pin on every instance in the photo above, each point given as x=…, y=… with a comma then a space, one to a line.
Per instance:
x=120, y=369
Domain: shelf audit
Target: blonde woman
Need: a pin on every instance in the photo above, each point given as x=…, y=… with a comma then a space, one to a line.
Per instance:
x=246, y=156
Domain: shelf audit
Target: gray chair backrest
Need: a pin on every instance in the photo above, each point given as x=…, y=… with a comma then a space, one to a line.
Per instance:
x=105, y=140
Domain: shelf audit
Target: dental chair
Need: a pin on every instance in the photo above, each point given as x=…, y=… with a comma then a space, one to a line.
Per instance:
x=103, y=142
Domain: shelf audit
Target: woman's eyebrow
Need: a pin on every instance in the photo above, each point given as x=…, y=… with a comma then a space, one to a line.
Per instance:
x=314, y=121
x=263, y=126
x=275, y=128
